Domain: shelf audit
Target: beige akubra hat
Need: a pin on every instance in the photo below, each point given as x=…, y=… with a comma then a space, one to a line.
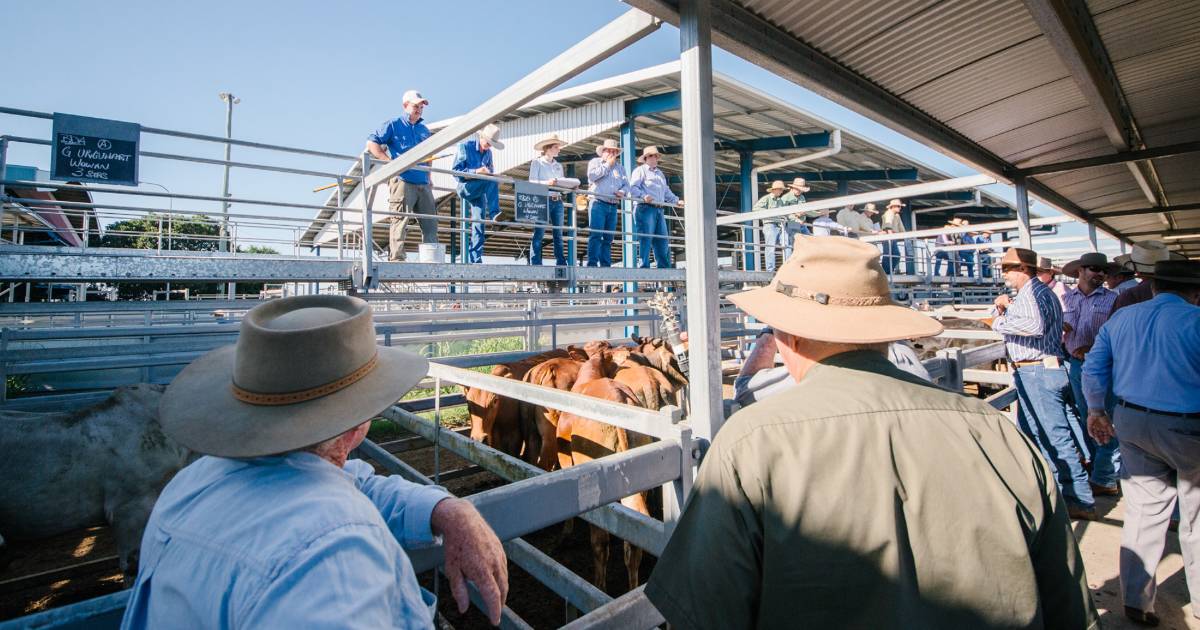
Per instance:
x=541, y=145
x=491, y=133
x=777, y=185
x=647, y=152
x=833, y=289
x=304, y=369
x=1144, y=254
x=608, y=143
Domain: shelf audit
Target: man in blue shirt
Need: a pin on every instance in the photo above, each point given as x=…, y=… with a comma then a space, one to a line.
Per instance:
x=607, y=184
x=273, y=527
x=1149, y=355
x=409, y=192
x=480, y=197
x=649, y=187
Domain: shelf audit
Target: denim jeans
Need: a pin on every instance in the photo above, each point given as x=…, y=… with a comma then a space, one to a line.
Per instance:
x=1106, y=458
x=1042, y=395
x=652, y=232
x=602, y=222
x=968, y=262
x=891, y=256
x=775, y=236
x=951, y=260
x=485, y=205
x=535, y=248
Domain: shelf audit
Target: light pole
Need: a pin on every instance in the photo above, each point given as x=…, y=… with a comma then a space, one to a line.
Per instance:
x=230, y=100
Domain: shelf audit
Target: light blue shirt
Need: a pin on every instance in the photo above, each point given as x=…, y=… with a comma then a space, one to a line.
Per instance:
x=1149, y=353
x=606, y=181
x=648, y=181
x=288, y=541
x=543, y=169
x=1032, y=325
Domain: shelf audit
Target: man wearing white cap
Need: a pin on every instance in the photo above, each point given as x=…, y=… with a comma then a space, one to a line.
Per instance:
x=480, y=196
x=840, y=502
x=411, y=191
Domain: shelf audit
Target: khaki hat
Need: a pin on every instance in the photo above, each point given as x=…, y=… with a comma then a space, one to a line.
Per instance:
x=552, y=139
x=1045, y=264
x=1185, y=271
x=799, y=184
x=647, y=152
x=413, y=96
x=491, y=133
x=895, y=203
x=777, y=185
x=1143, y=256
x=1090, y=259
x=870, y=207
x=1019, y=256
x=833, y=289
x=304, y=369
x=1118, y=265
x=608, y=144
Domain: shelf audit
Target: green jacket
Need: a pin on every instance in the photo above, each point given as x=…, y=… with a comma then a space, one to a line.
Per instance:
x=865, y=497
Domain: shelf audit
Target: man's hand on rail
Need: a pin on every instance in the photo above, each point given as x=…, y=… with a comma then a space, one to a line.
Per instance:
x=472, y=553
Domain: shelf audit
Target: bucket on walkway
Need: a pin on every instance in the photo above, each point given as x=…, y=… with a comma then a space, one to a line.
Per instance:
x=431, y=253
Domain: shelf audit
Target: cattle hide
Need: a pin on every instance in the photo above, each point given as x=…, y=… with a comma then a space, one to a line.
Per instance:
x=64, y=471
x=496, y=420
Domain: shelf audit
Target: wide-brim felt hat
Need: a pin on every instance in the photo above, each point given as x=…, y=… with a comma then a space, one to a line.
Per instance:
x=1118, y=264
x=1144, y=254
x=1045, y=263
x=1090, y=259
x=607, y=144
x=541, y=145
x=777, y=185
x=304, y=369
x=834, y=289
x=800, y=184
x=647, y=152
x=1019, y=256
x=1184, y=271
x=491, y=133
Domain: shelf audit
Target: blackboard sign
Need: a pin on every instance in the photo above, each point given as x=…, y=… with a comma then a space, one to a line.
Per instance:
x=95, y=150
x=533, y=203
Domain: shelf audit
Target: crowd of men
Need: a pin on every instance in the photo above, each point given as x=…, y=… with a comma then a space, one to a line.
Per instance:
x=1107, y=374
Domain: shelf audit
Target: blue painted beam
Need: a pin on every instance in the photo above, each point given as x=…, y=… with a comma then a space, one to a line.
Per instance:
x=655, y=104
x=774, y=143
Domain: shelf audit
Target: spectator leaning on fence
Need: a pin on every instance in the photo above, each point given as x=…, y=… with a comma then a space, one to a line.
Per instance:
x=607, y=183
x=795, y=221
x=273, y=527
x=1085, y=309
x=649, y=187
x=858, y=222
x=1032, y=326
x=941, y=255
x=863, y=496
x=891, y=223
x=481, y=197
x=409, y=192
x=545, y=169
x=1148, y=355
x=772, y=228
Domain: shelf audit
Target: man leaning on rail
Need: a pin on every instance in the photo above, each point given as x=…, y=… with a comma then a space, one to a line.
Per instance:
x=480, y=197
x=863, y=496
x=409, y=192
x=273, y=527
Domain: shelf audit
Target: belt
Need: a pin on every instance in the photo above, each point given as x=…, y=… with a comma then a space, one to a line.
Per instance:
x=1174, y=414
x=1023, y=363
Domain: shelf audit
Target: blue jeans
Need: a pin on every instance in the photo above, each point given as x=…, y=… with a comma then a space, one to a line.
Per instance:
x=651, y=225
x=941, y=257
x=1042, y=395
x=775, y=236
x=602, y=223
x=1106, y=458
x=485, y=205
x=891, y=256
x=535, y=249
x=968, y=261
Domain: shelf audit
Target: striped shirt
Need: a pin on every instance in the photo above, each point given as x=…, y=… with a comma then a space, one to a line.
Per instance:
x=1032, y=325
x=606, y=181
x=1086, y=314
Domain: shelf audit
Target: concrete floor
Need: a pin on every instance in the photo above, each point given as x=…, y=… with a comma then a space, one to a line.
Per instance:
x=1100, y=544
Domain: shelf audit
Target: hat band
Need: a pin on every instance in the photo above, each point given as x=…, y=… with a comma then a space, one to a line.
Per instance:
x=794, y=291
x=305, y=394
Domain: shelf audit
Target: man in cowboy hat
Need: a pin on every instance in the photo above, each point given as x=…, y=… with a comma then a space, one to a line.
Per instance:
x=840, y=502
x=545, y=169
x=858, y=222
x=608, y=186
x=891, y=223
x=941, y=255
x=967, y=256
x=409, y=192
x=1085, y=309
x=795, y=221
x=1047, y=273
x=1032, y=327
x=1148, y=355
x=273, y=527
x=481, y=197
x=649, y=187
x=1142, y=259
x=1120, y=279
x=772, y=228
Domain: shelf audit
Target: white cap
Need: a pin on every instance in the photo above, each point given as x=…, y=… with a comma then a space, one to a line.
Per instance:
x=413, y=96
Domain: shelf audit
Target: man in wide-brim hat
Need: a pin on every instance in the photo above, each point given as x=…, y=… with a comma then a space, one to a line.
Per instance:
x=1142, y=258
x=773, y=232
x=807, y=486
x=608, y=186
x=1118, y=278
x=480, y=195
x=546, y=169
x=1047, y=273
x=274, y=528
x=1148, y=356
x=648, y=185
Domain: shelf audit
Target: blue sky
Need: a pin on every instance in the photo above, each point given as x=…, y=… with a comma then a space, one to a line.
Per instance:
x=317, y=75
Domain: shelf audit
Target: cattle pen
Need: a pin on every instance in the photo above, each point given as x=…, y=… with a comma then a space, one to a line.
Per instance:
x=70, y=353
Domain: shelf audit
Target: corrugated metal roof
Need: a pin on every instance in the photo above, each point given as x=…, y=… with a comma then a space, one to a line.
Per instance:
x=984, y=69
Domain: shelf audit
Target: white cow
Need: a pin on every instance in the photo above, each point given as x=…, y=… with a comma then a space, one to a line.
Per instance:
x=64, y=471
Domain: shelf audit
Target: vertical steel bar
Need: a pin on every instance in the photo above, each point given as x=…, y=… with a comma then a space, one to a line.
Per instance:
x=700, y=229
x=1023, y=213
x=4, y=175
x=745, y=173
x=340, y=218
x=368, y=236
x=1092, y=239
x=573, y=244
x=628, y=258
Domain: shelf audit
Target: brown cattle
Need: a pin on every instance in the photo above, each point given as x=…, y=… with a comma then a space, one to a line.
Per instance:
x=652, y=388
x=496, y=420
x=661, y=358
x=581, y=440
x=541, y=423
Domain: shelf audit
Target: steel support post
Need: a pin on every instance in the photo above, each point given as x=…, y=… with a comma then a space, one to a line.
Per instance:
x=746, y=202
x=4, y=175
x=368, y=229
x=573, y=235
x=628, y=251
x=1023, y=213
x=1092, y=240
x=700, y=230
x=633, y=610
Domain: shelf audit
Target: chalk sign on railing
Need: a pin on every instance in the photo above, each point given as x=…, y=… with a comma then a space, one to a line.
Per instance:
x=94, y=150
x=532, y=202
